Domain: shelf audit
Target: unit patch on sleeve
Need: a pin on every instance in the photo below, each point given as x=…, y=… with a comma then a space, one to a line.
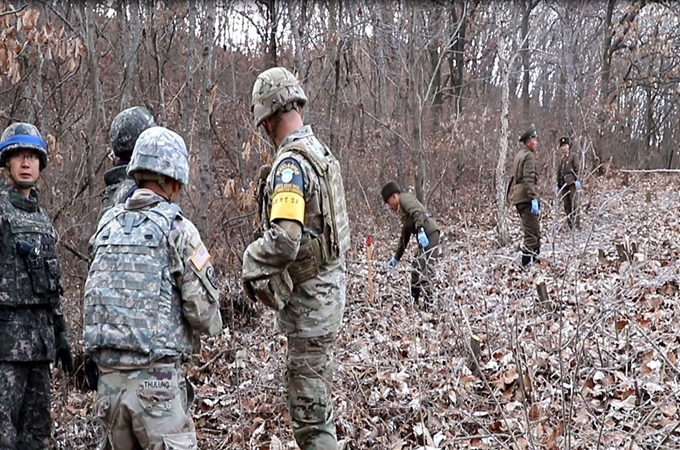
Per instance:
x=288, y=199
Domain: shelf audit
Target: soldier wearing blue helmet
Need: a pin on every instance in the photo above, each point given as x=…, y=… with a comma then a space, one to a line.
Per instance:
x=32, y=327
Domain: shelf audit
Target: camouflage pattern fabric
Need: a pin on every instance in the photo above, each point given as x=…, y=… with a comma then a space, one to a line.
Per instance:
x=29, y=282
x=309, y=371
x=146, y=295
x=25, y=420
x=162, y=152
x=313, y=315
x=126, y=128
x=22, y=136
x=30, y=316
x=145, y=409
x=118, y=185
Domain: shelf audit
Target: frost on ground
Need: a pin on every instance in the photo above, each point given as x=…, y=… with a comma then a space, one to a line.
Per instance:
x=595, y=365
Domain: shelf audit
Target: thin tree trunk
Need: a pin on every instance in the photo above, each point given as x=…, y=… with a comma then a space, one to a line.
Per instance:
x=188, y=106
x=93, y=67
x=130, y=49
x=204, y=134
x=505, y=62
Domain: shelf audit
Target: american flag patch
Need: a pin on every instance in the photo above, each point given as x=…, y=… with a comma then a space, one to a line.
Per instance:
x=200, y=257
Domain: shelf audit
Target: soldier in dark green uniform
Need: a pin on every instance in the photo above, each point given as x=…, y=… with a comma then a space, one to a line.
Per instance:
x=32, y=327
x=125, y=129
x=415, y=220
x=525, y=195
x=568, y=183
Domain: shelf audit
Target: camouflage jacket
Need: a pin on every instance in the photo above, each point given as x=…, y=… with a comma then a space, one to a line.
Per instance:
x=118, y=185
x=30, y=305
x=317, y=303
x=135, y=314
x=526, y=178
x=567, y=169
x=414, y=216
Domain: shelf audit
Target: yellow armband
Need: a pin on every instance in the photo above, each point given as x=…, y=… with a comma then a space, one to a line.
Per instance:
x=288, y=198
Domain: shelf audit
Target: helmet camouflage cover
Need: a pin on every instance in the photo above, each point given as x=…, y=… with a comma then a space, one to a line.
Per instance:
x=126, y=128
x=275, y=90
x=22, y=136
x=160, y=151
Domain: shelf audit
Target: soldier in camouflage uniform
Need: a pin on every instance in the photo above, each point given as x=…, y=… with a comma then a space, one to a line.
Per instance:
x=415, y=220
x=125, y=129
x=525, y=195
x=298, y=267
x=568, y=184
x=32, y=327
x=150, y=286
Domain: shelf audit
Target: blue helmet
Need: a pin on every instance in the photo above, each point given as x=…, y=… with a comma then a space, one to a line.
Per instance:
x=22, y=136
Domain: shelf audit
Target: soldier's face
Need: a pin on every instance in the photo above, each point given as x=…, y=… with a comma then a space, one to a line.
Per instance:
x=393, y=201
x=25, y=166
x=564, y=148
x=531, y=144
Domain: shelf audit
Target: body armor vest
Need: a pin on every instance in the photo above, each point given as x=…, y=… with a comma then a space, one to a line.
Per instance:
x=29, y=269
x=334, y=242
x=131, y=302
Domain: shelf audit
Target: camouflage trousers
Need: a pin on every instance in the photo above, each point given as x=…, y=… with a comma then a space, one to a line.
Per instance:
x=421, y=270
x=25, y=420
x=309, y=370
x=144, y=409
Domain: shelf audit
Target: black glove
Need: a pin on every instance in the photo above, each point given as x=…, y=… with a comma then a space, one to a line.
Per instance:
x=64, y=354
x=92, y=373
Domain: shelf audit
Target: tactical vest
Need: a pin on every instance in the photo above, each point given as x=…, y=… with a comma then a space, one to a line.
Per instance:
x=29, y=269
x=334, y=242
x=131, y=303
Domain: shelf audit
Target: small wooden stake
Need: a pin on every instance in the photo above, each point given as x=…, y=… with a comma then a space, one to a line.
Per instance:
x=369, y=262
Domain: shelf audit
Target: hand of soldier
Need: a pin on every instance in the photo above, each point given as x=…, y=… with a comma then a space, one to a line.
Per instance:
x=557, y=190
x=534, y=207
x=578, y=185
x=392, y=263
x=64, y=354
x=422, y=239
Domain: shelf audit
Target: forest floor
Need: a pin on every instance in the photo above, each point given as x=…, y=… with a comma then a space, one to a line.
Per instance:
x=593, y=366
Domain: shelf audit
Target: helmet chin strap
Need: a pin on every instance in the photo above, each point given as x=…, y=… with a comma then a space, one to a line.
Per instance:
x=23, y=184
x=165, y=187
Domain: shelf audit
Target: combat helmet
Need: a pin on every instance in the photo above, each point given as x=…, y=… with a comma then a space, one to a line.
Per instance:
x=159, y=153
x=275, y=90
x=126, y=128
x=22, y=136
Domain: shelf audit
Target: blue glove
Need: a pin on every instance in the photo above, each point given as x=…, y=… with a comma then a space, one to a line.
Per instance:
x=578, y=185
x=534, y=207
x=422, y=239
x=392, y=263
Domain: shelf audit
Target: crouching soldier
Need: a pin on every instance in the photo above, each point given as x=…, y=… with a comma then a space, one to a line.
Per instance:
x=415, y=220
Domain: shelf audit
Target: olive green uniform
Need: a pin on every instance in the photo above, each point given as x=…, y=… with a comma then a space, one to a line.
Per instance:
x=567, y=175
x=525, y=190
x=415, y=217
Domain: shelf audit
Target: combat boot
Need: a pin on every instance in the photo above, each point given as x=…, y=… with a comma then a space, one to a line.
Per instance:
x=526, y=259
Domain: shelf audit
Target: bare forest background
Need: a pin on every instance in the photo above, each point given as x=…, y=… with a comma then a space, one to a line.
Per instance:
x=433, y=94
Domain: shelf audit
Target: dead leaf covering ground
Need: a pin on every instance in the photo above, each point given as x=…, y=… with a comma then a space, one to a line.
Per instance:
x=596, y=366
